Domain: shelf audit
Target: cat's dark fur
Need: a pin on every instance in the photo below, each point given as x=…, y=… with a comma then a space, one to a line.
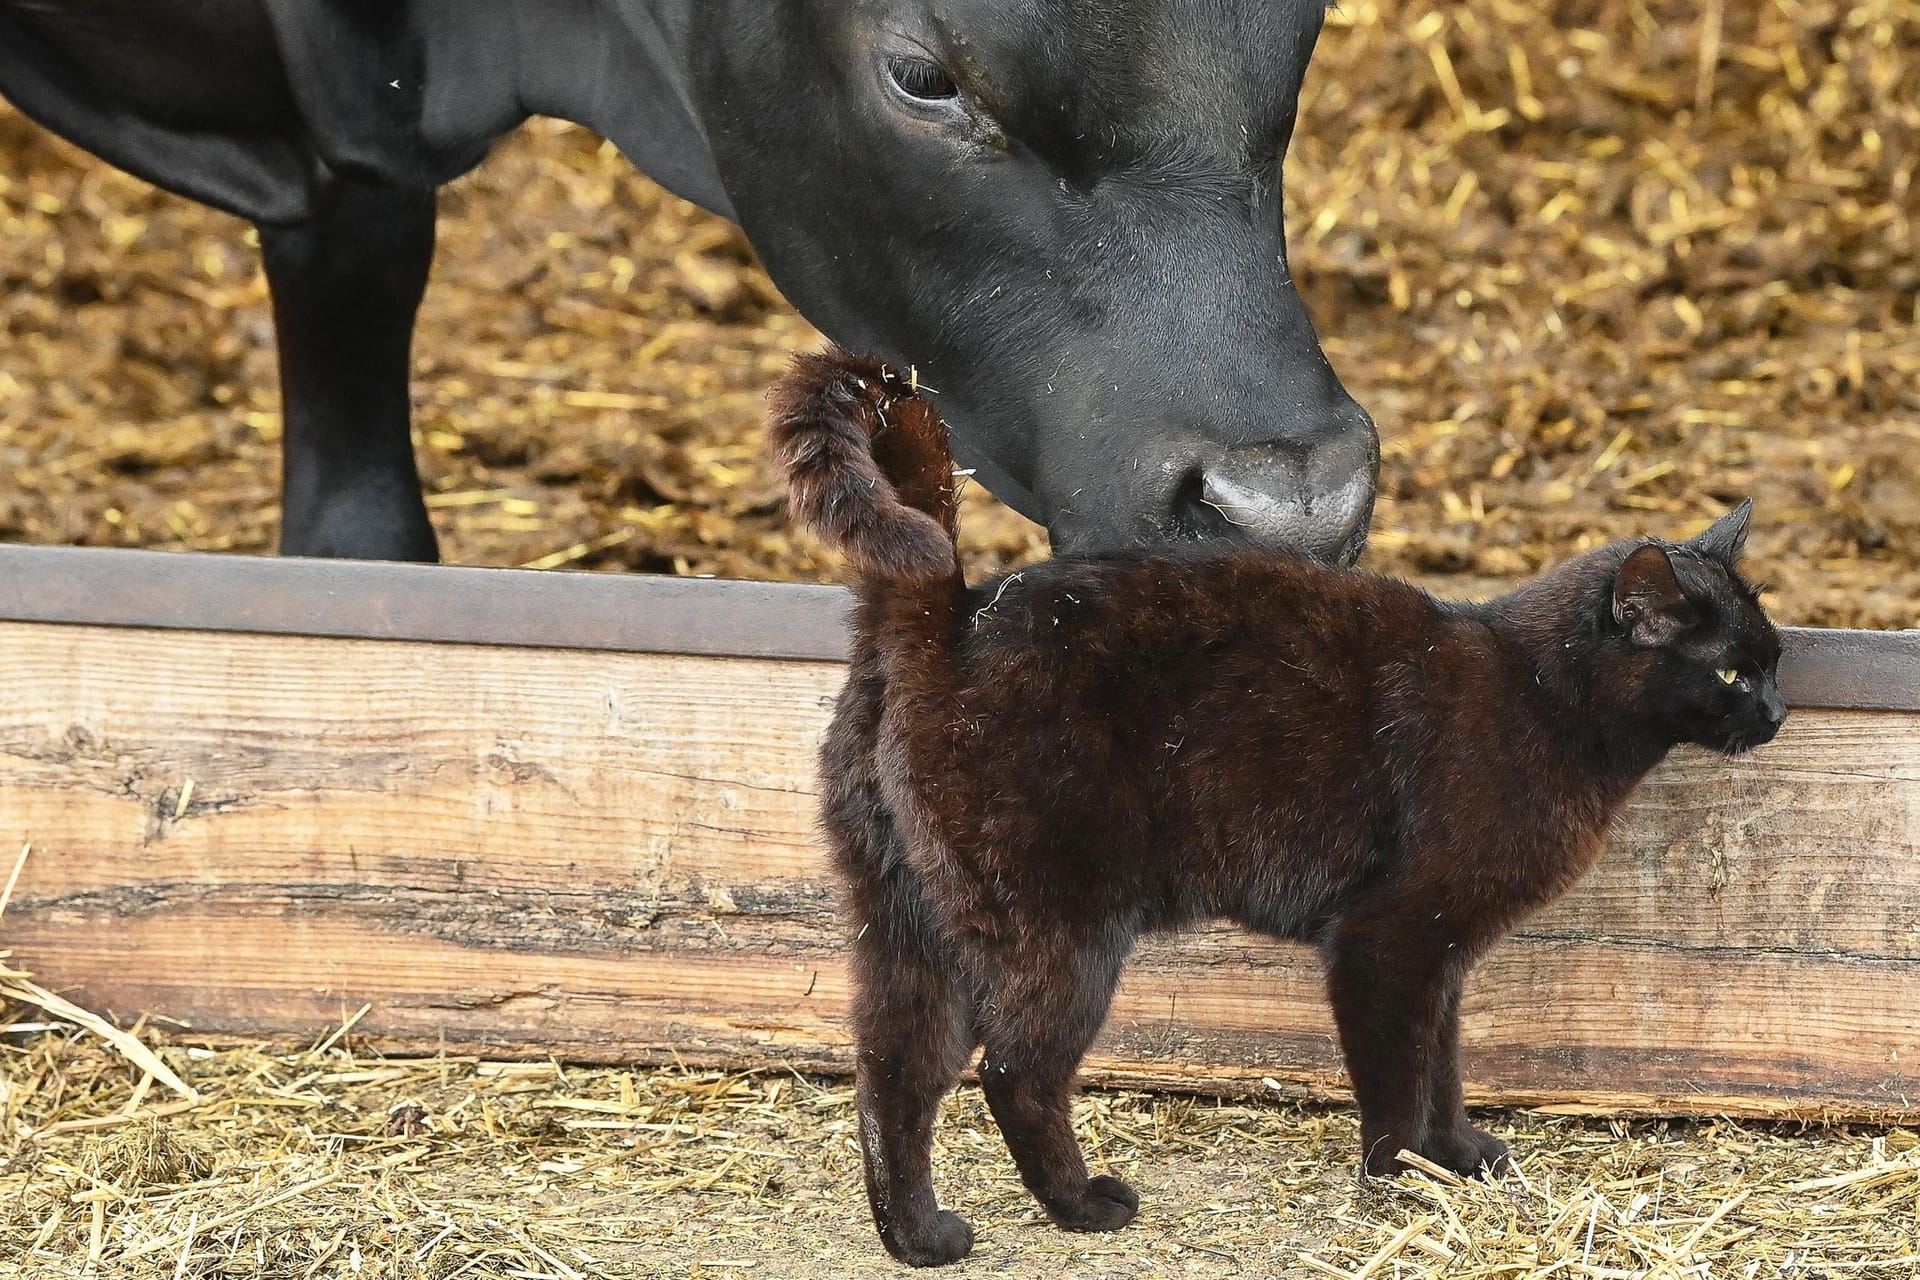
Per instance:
x=1022, y=779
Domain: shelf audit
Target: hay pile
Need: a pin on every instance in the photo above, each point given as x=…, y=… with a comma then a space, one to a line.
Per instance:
x=328, y=1163
x=1604, y=267
x=1597, y=268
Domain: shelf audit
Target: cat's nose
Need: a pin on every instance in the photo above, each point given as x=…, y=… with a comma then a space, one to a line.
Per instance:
x=1773, y=704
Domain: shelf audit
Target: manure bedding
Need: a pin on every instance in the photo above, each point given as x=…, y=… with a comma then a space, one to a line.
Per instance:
x=1596, y=268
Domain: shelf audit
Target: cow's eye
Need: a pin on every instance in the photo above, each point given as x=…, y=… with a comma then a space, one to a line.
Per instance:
x=922, y=80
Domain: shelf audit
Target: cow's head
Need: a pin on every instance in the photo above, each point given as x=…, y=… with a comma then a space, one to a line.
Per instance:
x=1066, y=214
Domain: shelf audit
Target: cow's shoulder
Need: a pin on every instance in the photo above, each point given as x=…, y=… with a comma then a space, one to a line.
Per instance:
x=264, y=174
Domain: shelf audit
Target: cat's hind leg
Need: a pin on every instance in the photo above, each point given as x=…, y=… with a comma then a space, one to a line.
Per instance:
x=912, y=1015
x=913, y=1028
x=1046, y=1003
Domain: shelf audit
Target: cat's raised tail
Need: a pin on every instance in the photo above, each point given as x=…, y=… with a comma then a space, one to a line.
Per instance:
x=867, y=466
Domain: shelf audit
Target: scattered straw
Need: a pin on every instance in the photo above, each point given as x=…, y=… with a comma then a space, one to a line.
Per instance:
x=147, y=1152
x=18, y=985
x=294, y=1166
x=15, y=985
x=334, y=1037
x=13, y=878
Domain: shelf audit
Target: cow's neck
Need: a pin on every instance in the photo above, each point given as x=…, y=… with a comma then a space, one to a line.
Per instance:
x=619, y=67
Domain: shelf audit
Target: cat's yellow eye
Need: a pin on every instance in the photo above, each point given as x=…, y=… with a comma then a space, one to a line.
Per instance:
x=1728, y=675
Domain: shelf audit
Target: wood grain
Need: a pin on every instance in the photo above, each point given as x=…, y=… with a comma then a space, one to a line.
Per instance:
x=611, y=856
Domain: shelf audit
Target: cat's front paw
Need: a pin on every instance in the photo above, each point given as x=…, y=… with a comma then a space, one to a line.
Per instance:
x=1468, y=1152
x=934, y=1241
x=1104, y=1204
x=1462, y=1149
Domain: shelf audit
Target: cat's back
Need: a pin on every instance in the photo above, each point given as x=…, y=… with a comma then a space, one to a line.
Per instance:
x=1180, y=607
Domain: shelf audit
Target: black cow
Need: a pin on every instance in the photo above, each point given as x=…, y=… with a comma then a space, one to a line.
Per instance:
x=1066, y=213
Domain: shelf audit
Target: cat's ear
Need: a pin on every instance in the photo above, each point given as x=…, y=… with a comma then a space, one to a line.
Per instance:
x=1647, y=599
x=1728, y=536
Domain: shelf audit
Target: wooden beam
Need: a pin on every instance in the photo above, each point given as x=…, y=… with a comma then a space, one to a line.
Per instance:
x=610, y=855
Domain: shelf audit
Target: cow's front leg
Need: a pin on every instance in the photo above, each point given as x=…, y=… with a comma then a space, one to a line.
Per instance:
x=346, y=286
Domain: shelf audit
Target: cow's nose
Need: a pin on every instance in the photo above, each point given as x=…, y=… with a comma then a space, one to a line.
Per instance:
x=1314, y=499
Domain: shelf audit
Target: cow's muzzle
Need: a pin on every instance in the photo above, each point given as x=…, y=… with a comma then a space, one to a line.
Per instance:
x=1313, y=499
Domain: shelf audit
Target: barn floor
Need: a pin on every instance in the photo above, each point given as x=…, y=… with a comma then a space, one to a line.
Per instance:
x=335, y=1164
x=1597, y=269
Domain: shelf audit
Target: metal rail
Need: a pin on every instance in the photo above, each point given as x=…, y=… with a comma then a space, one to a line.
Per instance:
x=443, y=604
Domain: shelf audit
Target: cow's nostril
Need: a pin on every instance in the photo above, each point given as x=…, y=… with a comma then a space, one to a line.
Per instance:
x=1263, y=503
x=1198, y=514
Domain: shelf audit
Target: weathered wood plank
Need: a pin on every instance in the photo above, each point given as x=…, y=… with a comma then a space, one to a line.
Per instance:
x=611, y=855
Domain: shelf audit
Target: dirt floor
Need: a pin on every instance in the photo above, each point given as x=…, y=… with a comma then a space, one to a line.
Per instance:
x=327, y=1164
x=1596, y=268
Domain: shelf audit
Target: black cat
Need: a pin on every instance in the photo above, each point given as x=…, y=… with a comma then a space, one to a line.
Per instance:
x=1022, y=779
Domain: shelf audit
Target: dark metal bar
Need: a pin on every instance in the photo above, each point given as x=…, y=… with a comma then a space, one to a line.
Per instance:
x=1867, y=670
x=443, y=604
x=437, y=603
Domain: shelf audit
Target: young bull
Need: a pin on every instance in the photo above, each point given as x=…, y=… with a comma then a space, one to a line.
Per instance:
x=1066, y=211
